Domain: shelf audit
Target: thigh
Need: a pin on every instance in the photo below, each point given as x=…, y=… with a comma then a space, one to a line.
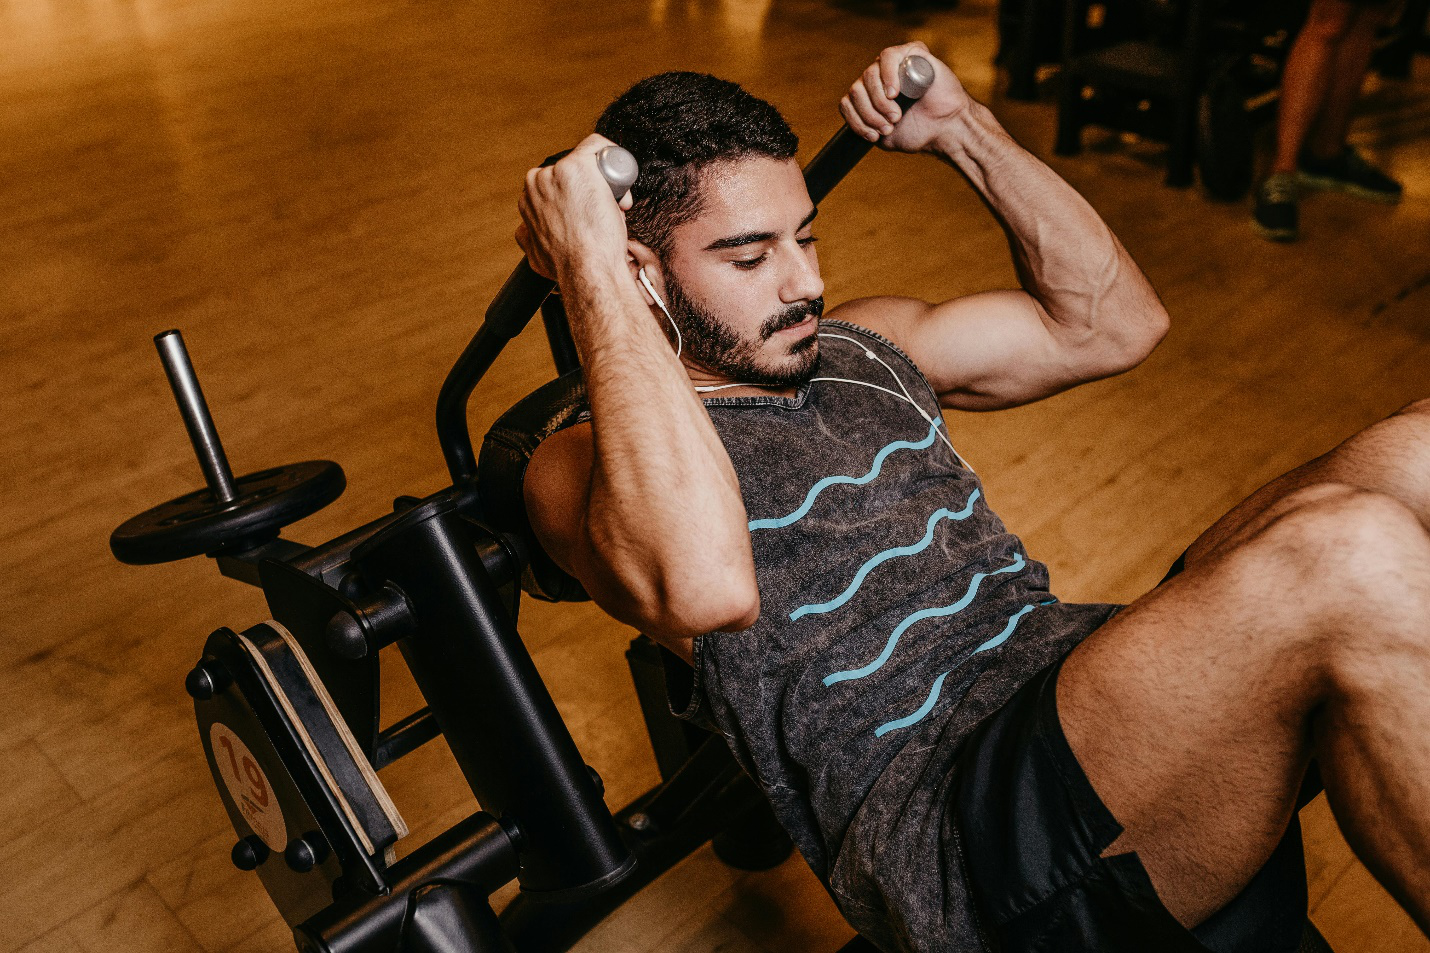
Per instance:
x=1189, y=713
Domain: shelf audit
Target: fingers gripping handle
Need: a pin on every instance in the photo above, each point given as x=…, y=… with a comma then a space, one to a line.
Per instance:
x=843, y=152
x=916, y=75
x=510, y=310
x=619, y=169
x=524, y=291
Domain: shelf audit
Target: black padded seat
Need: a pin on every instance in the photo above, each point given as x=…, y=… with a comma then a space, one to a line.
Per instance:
x=501, y=471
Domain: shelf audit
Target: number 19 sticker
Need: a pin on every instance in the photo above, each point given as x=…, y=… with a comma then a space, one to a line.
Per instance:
x=248, y=786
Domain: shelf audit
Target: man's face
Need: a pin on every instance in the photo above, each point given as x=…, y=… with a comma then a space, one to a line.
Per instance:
x=742, y=278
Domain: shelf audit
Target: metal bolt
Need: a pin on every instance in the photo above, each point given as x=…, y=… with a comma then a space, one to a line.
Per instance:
x=345, y=636
x=640, y=821
x=249, y=853
x=206, y=680
x=306, y=852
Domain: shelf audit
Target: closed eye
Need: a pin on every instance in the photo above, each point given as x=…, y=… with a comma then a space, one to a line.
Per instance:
x=750, y=264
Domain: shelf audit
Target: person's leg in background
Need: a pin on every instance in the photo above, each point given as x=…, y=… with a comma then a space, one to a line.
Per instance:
x=1319, y=86
x=1326, y=160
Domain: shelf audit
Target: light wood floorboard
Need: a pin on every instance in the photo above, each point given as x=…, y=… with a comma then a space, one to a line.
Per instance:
x=321, y=195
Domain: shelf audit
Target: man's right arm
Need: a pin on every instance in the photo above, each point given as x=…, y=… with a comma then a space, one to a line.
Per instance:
x=642, y=505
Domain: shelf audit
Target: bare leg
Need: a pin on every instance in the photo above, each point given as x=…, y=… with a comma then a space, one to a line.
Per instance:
x=1307, y=77
x=1298, y=629
x=1347, y=73
x=1391, y=457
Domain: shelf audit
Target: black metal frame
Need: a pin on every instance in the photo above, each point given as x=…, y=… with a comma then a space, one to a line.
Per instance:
x=434, y=580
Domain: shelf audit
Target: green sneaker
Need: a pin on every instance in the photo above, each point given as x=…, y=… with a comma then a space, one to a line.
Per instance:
x=1349, y=172
x=1275, y=213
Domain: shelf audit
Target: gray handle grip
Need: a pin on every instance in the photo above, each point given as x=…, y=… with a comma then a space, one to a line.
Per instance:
x=916, y=75
x=619, y=168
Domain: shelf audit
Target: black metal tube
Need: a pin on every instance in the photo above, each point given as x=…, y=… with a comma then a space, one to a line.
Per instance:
x=558, y=334
x=476, y=851
x=504, y=731
x=405, y=737
x=838, y=157
x=506, y=316
x=202, y=434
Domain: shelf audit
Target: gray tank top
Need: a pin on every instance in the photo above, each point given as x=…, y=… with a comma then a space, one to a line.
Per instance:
x=896, y=612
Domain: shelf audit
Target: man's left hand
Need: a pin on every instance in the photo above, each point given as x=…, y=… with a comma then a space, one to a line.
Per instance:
x=870, y=110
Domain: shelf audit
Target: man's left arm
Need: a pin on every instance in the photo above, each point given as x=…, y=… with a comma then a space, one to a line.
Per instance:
x=1085, y=310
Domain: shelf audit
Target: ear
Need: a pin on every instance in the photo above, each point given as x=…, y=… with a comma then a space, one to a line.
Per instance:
x=638, y=256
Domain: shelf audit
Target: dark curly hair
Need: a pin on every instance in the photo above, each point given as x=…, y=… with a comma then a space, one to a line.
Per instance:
x=676, y=124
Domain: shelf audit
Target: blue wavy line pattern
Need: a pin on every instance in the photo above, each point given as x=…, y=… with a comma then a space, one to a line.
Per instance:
x=827, y=482
x=1002, y=637
x=923, y=710
x=917, y=716
x=931, y=613
x=885, y=556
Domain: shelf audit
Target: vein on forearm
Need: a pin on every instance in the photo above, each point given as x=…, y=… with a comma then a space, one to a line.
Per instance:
x=1064, y=254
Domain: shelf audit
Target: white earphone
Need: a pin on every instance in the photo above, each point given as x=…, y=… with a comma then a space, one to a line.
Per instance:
x=660, y=303
x=905, y=396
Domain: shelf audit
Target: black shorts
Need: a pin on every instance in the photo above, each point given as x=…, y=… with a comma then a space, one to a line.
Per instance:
x=1033, y=830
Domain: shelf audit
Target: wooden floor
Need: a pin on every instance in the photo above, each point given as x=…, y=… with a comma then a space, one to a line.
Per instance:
x=321, y=195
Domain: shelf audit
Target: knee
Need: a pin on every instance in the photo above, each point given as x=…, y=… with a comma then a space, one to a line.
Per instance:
x=1346, y=545
x=1352, y=570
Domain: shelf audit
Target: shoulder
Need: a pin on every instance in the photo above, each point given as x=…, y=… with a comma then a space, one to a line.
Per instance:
x=891, y=317
x=892, y=321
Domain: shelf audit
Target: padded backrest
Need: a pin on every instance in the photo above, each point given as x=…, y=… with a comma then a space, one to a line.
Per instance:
x=501, y=471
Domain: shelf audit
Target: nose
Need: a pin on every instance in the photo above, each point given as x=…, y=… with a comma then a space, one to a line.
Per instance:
x=801, y=276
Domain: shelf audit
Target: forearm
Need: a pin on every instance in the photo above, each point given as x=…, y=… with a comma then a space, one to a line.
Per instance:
x=1066, y=257
x=665, y=511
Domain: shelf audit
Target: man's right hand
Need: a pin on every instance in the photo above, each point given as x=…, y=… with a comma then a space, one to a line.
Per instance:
x=870, y=110
x=568, y=216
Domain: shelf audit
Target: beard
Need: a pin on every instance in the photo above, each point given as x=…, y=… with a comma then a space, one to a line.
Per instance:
x=717, y=347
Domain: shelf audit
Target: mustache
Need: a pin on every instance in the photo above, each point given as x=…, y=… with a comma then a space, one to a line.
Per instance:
x=791, y=316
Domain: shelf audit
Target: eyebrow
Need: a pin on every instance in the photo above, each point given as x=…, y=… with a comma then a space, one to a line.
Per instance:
x=751, y=238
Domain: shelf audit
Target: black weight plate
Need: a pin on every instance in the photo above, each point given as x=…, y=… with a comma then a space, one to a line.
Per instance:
x=1226, y=140
x=197, y=523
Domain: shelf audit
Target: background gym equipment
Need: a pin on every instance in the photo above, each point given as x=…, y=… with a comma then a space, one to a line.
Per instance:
x=1201, y=75
x=1144, y=67
x=288, y=710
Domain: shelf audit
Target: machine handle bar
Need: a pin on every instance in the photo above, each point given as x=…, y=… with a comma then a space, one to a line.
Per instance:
x=843, y=152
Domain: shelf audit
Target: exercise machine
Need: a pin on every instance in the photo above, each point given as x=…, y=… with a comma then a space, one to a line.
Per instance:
x=288, y=710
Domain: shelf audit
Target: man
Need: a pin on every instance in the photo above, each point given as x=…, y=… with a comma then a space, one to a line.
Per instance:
x=1319, y=89
x=965, y=761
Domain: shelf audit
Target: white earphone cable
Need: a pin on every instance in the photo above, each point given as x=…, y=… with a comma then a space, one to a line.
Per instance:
x=905, y=396
x=679, y=344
